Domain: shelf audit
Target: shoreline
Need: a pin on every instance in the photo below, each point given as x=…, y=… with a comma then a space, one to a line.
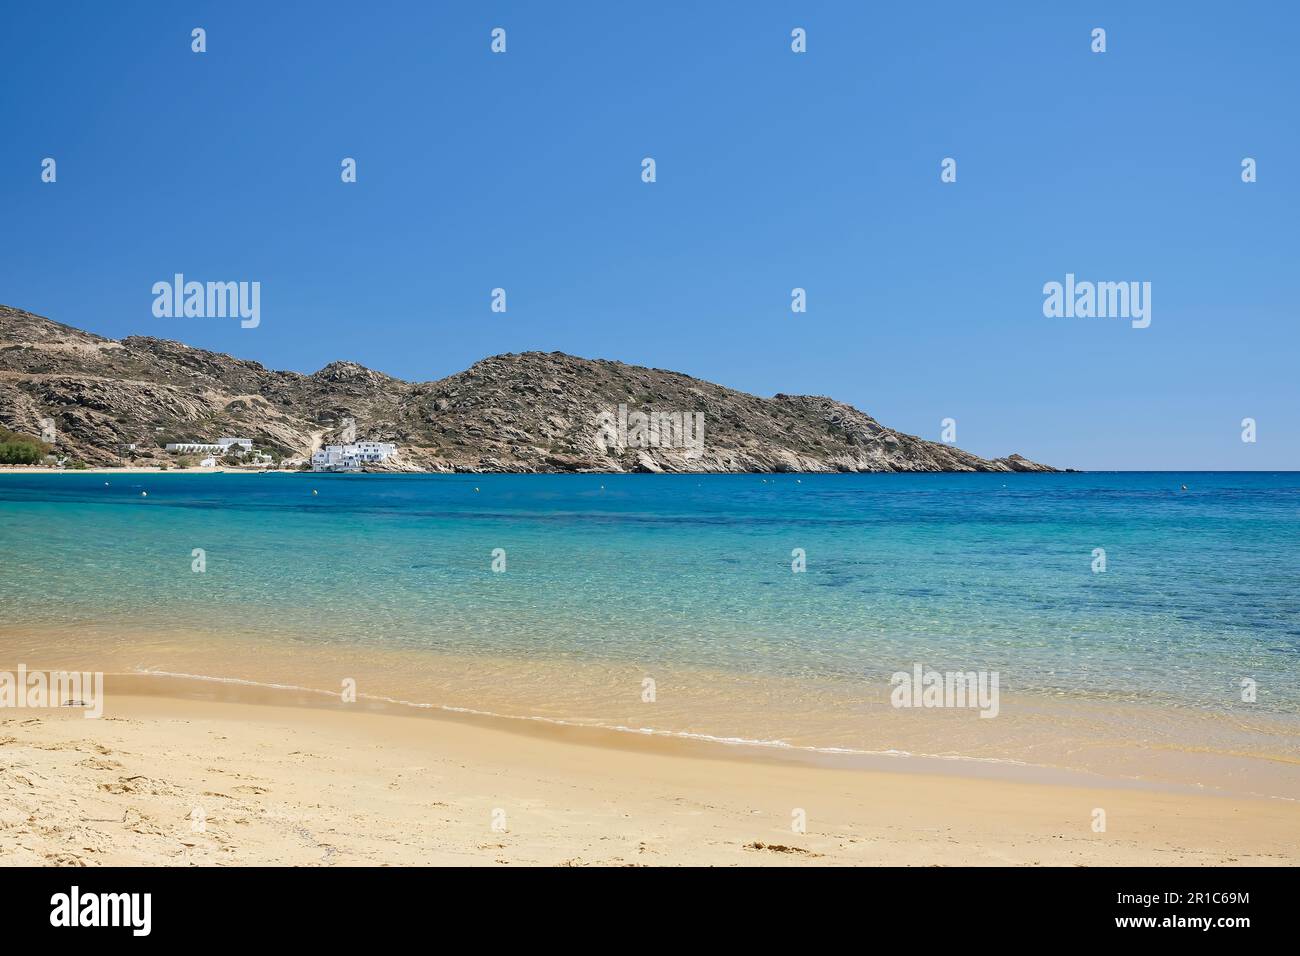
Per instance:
x=276, y=782
x=239, y=691
x=197, y=470
x=178, y=686
x=647, y=683
x=143, y=470
x=1081, y=740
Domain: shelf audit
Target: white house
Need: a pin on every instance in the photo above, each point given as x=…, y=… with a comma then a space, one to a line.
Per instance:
x=189, y=447
x=352, y=456
x=220, y=447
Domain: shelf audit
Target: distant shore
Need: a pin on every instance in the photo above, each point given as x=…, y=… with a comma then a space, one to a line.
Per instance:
x=138, y=470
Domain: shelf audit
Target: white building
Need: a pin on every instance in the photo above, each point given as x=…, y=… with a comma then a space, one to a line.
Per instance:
x=352, y=456
x=193, y=447
x=219, y=447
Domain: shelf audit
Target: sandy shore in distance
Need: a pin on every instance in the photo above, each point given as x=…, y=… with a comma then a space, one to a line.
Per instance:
x=137, y=470
x=274, y=782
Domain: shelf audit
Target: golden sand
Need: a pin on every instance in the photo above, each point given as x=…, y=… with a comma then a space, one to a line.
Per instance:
x=184, y=773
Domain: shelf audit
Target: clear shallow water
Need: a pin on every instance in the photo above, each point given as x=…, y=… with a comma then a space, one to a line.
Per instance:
x=976, y=571
x=611, y=577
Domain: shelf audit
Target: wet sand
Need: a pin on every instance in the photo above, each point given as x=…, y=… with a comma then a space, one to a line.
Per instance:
x=1247, y=751
x=185, y=772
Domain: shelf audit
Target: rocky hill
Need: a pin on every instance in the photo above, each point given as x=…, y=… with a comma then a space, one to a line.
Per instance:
x=532, y=412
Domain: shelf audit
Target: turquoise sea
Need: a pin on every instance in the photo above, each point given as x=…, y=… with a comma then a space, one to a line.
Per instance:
x=680, y=574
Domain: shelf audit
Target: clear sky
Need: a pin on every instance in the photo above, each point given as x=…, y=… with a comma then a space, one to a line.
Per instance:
x=775, y=170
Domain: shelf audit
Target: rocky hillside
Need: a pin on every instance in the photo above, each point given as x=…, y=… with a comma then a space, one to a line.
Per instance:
x=534, y=412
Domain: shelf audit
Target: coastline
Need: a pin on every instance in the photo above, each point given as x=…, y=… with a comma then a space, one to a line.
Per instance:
x=140, y=470
x=839, y=723
x=769, y=691
x=275, y=779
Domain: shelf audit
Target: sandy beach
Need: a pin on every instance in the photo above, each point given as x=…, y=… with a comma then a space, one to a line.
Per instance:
x=179, y=774
x=664, y=692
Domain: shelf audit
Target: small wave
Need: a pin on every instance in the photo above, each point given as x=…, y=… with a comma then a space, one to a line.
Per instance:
x=775, y=744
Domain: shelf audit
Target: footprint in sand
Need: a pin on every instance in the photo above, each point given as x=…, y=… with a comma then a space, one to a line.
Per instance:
x=98, y=763
x=139, y=783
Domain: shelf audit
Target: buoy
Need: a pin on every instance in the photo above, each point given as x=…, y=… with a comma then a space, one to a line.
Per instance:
x=314, y=491
x=144, y=494
x=476, y=489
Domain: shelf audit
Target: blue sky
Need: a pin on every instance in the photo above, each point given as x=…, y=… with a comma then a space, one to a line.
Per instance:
x=775, y=171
